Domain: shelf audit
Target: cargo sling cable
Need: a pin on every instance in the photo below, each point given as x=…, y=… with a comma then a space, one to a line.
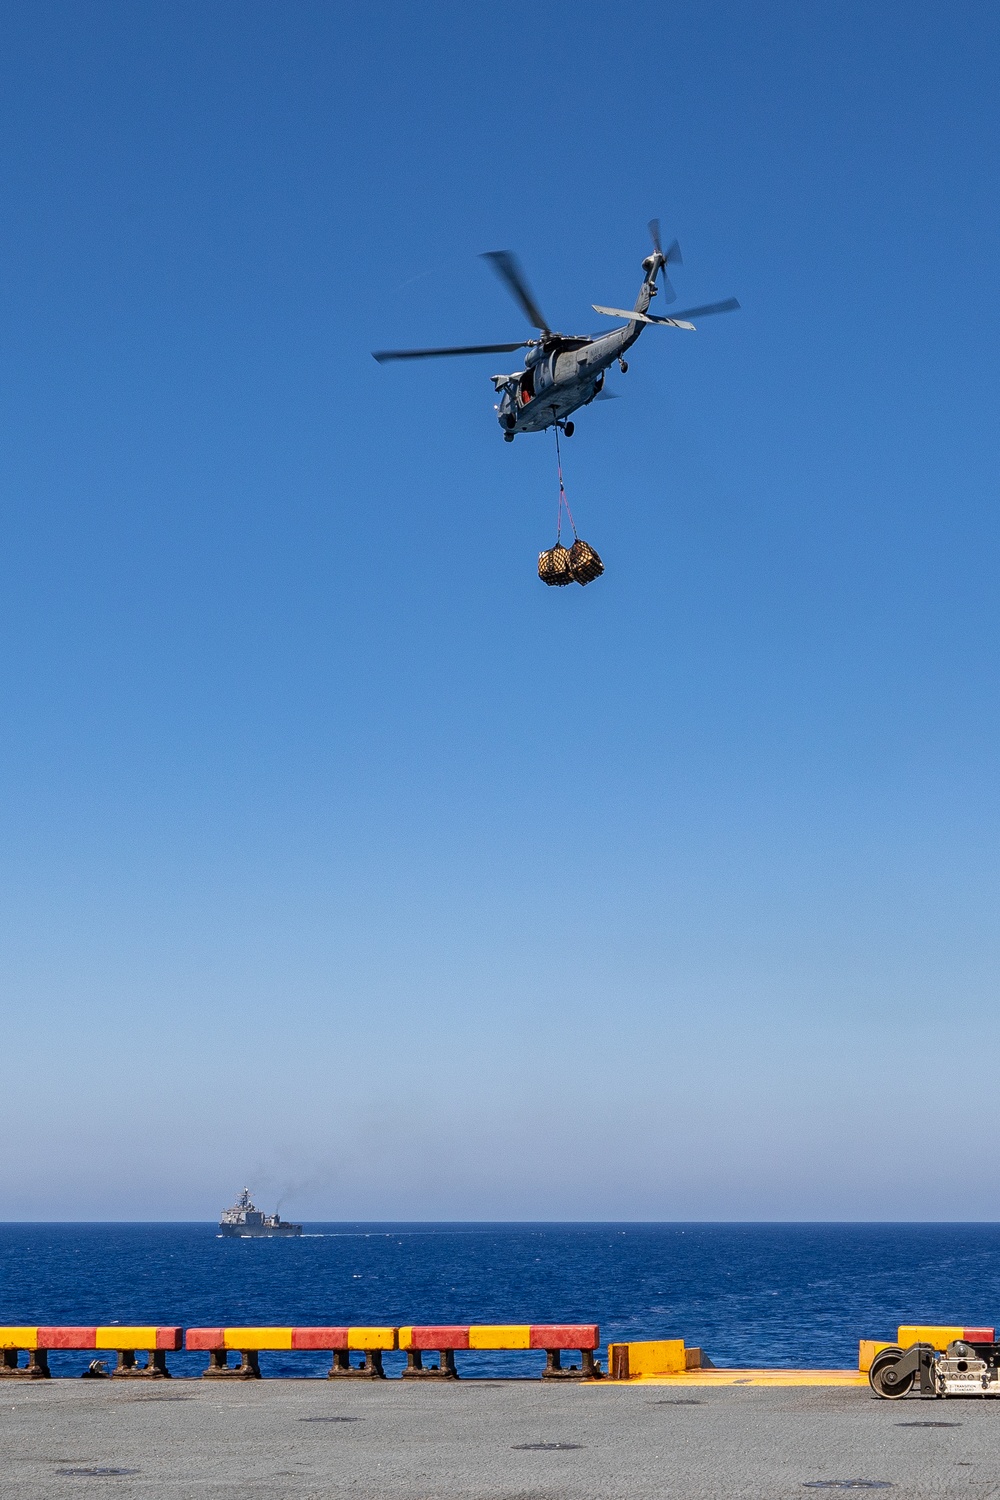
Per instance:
x=561, y=565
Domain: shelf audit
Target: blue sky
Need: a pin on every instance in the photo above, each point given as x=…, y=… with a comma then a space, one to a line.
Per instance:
x=337, y=854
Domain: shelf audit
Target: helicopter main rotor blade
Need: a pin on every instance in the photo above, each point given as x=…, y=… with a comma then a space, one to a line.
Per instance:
x=654, y=232
x=385, y=355
x=508, y=268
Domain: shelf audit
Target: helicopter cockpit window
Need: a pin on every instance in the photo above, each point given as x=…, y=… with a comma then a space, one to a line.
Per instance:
x=527, y=387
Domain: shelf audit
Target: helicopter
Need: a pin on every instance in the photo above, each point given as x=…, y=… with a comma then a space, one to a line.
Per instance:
x=563, y=372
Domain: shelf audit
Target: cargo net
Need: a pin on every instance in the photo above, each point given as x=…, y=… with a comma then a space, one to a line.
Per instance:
x=576, y=564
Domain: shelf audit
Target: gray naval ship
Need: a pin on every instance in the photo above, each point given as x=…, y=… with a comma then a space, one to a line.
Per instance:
x=244, y=1222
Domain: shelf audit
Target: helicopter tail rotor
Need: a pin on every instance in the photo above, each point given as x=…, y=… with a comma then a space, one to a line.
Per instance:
x=673, y=257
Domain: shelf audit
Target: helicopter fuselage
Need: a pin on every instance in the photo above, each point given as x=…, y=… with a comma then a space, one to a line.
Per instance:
x=558, y=378
x=562, y=374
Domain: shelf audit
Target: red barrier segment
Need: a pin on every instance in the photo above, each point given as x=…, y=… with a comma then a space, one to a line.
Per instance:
x=441, y=1337
x=205, y=1338
x=320, y=1338
x=564, y=1336
x=979, y=1335
x=67, y=1338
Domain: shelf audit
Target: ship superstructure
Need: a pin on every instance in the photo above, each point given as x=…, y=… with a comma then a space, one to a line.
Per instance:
x=245, y=1222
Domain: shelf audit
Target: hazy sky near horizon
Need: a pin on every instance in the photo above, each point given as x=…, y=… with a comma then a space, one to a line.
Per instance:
x=340, y=857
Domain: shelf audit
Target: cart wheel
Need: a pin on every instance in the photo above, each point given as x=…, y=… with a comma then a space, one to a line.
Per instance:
x=882, y=1379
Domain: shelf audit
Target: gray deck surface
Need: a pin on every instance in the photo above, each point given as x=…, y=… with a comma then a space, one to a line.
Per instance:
x=193, y=1438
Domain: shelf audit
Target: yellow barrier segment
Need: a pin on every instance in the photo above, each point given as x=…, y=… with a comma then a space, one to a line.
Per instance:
x=654, y=1357
x=867, y=1350
x=940, y=1338
x=125, y=1338
x=695, y=1378
x=650, y=1357
x=500, y=1336
x=258, y=1338
x=18, y=1338
x=372, y=1338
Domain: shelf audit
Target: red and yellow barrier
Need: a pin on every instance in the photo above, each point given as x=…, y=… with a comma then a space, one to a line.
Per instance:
x=218, y=1343
x=123, y=1339
x=554, y=1338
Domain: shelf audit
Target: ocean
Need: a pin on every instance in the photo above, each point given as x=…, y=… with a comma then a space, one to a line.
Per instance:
x=748, y=1294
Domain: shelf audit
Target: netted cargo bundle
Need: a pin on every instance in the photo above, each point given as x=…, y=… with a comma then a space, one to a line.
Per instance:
x=584, y=562
x=554, y=566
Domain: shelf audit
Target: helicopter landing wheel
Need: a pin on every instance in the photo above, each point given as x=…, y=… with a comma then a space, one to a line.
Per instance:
x=508, y=437
x=623, y=365
x=510, y=422
x=569, y=429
